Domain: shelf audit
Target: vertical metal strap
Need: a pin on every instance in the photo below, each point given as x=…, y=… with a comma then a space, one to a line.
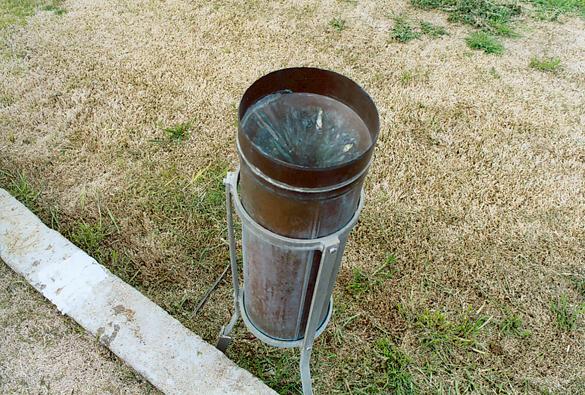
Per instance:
x=233, y=257
x=232, y=240
x=224, y=338
x=327, y=269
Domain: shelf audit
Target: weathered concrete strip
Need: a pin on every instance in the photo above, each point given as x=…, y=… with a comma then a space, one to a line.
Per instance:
x=137, y=330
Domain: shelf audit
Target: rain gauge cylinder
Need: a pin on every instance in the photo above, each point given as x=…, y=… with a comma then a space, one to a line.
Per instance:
x=305, y=141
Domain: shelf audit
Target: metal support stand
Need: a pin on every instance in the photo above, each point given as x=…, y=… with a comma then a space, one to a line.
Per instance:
x=331, y=248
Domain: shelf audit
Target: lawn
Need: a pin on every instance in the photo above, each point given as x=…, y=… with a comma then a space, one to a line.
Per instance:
x=465, y=273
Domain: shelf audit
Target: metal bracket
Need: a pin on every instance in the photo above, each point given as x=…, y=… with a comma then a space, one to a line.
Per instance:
x=224, y=338
x=331, y=247
x=323, y=288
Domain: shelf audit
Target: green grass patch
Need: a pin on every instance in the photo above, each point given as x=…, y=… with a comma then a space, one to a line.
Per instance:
x=406, y=77
x=89, y=236
x=485, y=42
x=55, y=9
x=277, y=368
x=551, y=10
x=432, y=30
x=566, y=316
x=442, y=335
x=188, y=209
x=549, y=65
x=360, y=282
x=482, y=14
x=97, y=238
x=363, y=282
x=15, y=12
x=179, y=132
x=397, y=377
x=403, y=31
x=21, y=188
x=337, y=24
x=512, y=325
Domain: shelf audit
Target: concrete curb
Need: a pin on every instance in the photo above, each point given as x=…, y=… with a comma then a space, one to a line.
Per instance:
x=138, y=331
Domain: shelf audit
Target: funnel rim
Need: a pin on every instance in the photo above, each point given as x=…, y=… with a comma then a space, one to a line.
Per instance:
x=368, y=114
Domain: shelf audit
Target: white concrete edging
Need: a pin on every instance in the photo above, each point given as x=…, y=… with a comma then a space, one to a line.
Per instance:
x=157, y=346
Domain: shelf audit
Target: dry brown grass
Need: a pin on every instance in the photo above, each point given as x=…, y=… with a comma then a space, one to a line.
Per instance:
x=476, y=187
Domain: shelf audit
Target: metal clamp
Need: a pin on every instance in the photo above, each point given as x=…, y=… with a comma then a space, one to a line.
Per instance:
x=331, y=248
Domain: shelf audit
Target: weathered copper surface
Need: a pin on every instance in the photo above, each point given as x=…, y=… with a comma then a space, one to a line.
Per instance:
x=295, y=201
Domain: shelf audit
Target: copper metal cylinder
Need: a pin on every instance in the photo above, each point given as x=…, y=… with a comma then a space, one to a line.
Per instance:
x=295, y=201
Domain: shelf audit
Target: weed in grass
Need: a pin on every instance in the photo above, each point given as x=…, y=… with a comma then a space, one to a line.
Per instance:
x=337, y=24
x=397, y=377
x=485, y=42
x=361, y=282
x=406, y=77
x=22, y=190
x=179, y=132
x=440, y=334
x=436, y=330
x=566, y=317
x=469, y=327
x=549, y=65
x=511, y=325
x=431, y=30
x=551, y=10
x=387, y=270
x=402, y=31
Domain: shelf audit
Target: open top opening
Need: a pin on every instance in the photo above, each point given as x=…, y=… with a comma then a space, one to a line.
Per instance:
x=306, y=129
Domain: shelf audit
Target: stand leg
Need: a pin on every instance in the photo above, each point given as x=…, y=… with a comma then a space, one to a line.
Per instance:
x=305, y=366
x=327, y=269
x=224, y=338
